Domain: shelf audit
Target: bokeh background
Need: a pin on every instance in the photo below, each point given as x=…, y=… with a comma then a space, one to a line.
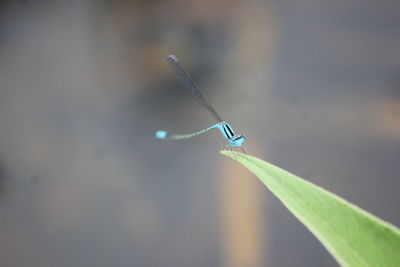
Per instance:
x=314, y=86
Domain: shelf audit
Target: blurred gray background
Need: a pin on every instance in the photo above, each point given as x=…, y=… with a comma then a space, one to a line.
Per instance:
x=314, y=86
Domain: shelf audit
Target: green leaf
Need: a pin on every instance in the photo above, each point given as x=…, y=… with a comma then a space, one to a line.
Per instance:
x=353, y=236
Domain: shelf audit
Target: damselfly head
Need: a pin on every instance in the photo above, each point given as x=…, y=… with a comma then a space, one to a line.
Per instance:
x=237, y=141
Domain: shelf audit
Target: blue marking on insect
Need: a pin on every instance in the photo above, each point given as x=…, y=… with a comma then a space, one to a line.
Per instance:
x=161, y=134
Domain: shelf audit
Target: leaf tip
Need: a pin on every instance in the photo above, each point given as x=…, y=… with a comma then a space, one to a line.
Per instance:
x=231, y=154
x=224, y=152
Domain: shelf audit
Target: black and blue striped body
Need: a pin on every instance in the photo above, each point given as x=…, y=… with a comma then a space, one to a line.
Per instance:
x=227, y=131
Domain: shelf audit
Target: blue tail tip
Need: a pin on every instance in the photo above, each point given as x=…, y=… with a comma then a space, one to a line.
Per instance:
x=161, y=134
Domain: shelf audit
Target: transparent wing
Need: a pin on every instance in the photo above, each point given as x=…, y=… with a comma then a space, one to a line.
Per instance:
x=187, y=82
